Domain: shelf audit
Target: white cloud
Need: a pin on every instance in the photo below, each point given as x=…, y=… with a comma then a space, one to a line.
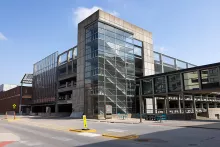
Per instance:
x=81, y=13
x=2, y=37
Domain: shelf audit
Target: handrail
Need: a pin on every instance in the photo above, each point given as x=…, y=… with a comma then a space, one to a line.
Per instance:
x=116, y=102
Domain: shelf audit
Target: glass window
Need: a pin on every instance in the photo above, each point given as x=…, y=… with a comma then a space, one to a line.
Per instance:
x=101, y=36
x=101, y=25
x=167, y=60
x=127, y=35
x=109, y=28
x=121, y=48
x=138, y=43
x=109, y=39
x=190, y=65
x=210, y=78
x=120, y=32
x=110, y=50
x=63, y=58
x=70, y=54
x=120, y=37
x=190, y=81
x=110, y=45
x=156, y=57
x=167, y=68
x=174, y=83
x=119, y=42
x=74, y=53
x=109, y=33
x=138, y=51
x=160, y=85
x=100, y=30
x=180, y=64
x=129, y=40
x=128, y=45
x=147, y=87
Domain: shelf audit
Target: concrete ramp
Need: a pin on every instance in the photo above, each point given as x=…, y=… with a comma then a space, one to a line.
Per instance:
x=76, y=115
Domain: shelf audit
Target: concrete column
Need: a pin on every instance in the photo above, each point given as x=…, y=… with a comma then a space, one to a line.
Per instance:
x=194, y=105
x=154, y=106
x=142, y=105
x=165, y=105
x=184, y=107
x=56, y=108
x=207, y=105
x=179, y=104
x=201, y=105
x=215, y=105
x=168, y=104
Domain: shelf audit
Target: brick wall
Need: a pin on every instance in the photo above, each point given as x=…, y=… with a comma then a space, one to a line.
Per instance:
x=12, y=96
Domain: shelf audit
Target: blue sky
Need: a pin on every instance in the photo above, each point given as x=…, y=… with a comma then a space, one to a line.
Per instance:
x=30, y=30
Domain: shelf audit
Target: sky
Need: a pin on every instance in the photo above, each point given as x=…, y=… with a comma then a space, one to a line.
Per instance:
x=32, y=29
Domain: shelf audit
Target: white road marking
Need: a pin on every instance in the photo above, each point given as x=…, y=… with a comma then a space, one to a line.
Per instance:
x=30, y=143
x=116, y=130
x=62, y=138
x=89, y=134
x=8, y=137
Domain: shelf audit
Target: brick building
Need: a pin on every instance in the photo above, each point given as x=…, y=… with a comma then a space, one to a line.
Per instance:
x=12, y=96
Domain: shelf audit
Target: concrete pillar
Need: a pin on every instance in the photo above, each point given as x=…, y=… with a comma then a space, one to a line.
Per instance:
x=207, y=105
x=215, y=105
x=194, y=105
x=168, y=105
x=165, y=105
x=154, y=107
x=201, y=105
x=184, y=107
x=56, y=108
x=179, y=104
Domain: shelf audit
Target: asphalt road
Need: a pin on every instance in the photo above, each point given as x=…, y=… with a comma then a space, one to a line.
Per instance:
x=24, y=135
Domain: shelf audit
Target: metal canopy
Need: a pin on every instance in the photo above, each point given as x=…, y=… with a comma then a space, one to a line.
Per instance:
x=27, y=79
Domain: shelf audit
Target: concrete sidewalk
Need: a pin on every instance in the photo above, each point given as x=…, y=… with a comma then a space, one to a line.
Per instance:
x=66, y=123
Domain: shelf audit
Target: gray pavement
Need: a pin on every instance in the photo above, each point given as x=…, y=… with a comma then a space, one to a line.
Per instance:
x=54, y=132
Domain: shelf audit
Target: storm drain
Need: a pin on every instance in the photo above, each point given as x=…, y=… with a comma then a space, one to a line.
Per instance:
x=153, y=140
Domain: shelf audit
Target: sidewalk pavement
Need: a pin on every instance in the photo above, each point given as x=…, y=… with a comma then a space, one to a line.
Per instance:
x=66, y=123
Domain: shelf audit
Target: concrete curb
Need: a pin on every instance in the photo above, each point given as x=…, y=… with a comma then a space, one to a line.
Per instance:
x=123, y=122
x=11, y=120
x=196, y=127
x=81, y=130
x=118, y=136
x=107, y=121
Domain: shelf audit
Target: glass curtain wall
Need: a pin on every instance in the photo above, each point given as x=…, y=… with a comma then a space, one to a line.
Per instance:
x=44, y=79
x=191, y=81
x=110, y=69
x=210, y=78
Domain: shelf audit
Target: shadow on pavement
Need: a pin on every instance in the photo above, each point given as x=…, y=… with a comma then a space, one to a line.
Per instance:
x=170, y=137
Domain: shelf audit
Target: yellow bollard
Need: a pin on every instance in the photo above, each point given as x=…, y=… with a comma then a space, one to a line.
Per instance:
x=85, y=122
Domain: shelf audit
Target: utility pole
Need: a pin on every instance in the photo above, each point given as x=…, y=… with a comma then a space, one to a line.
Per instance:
x=20, y=99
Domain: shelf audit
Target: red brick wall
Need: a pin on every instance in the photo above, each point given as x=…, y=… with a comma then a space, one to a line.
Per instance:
x=12, y=96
